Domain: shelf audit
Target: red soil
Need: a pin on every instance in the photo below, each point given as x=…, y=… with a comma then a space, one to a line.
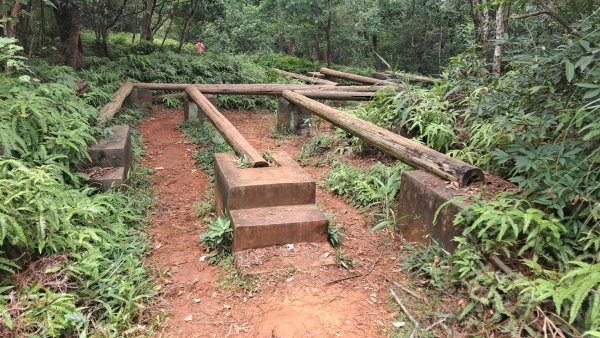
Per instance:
x=293, y=304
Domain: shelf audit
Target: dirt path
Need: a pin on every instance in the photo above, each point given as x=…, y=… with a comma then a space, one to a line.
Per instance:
x=295, y=304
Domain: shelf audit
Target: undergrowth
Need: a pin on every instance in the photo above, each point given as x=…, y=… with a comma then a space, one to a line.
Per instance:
x=72, y=258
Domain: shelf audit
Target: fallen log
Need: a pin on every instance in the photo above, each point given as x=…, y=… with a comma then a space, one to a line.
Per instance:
x=356, y=78
x=316, y=74
x=311, y=80
x=400, y=75
x=399, y=147
x=160, y=98
x=229, y=132
x=110, y=109
x=255, y=89
x=332, y=95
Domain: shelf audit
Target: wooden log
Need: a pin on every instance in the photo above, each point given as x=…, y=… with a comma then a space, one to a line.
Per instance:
x=400, y=75
x=332, y=95
x=229, y=132
x=316, y=74
x=356, y=78
x=160, y=98
x=399, y=147
x=311, y=80
x=110, y=109
x=255, y=89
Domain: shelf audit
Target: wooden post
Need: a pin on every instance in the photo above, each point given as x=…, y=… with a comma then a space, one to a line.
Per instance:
x=231, y=135
x=399, y=147
x=291, y=117
x=311, y=80
x=110, y=109
x=356, y=78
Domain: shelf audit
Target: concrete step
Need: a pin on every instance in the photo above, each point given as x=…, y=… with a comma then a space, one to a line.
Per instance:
x=300, y=256
x=114, y=151
x=286, y=183
x=106, y=178
x=263, y=227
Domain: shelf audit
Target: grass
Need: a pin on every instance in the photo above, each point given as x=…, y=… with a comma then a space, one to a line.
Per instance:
x=231, y=280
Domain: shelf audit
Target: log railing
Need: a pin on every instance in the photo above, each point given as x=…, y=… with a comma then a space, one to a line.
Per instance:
x=399, y=147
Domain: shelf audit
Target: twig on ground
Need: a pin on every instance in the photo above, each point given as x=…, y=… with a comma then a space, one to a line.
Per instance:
x=407, y=313
x=434, y=324
x=404, y=288
x=356, y=275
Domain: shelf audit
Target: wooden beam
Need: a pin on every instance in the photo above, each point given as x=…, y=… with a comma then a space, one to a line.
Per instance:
x=316, y=74
x=110, y=109
x=356, y=78
x=399, y=147
x=229, y=132
x=400, y=75
x=311, y=80
x=268, y=89
x=332, y=95
x=159, y=98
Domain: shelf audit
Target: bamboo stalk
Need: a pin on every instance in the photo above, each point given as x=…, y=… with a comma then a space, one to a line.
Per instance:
x=311, y=80
x=110, y=109
x=229, y=132
x=399, y=147
x=356, y=78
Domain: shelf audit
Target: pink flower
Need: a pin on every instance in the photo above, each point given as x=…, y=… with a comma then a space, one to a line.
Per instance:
x=200, y=47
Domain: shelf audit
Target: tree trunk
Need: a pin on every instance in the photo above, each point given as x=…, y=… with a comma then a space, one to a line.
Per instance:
x=166, y=34
x=481, y=20
x=146, y=32
x=10, y=27
x=73, y=53
x=501, y=17
x=329, y=56
x=183, y=35
x=281, y=42
x=292, y=46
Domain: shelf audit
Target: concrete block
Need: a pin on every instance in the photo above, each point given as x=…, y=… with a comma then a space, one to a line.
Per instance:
x=291, y=117
x=192, y=112
x=139, y=97
x=114, y=151
x=420, y=196
x=285, y=183
x=110, y=177
x=262, y=227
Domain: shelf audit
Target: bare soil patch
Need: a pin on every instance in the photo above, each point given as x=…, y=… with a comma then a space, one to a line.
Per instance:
x=317, y=302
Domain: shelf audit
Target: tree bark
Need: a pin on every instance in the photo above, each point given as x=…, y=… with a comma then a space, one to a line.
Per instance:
x=399, y=147
x=146, y=32
x=329, y=56
x=292, y=46
x=501, y=17
x=74, y=51
x=10, y=27
x=229, y=132
x=281, y=42
x=183, y=35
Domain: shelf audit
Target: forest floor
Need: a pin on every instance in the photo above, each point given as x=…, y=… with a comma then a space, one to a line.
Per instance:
x=203, y=300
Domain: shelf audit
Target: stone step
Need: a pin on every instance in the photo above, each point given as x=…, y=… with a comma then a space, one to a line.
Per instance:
x=285, y=183
x=300, y=256
x=114, y=151
x=267, y=226
x=106, y=178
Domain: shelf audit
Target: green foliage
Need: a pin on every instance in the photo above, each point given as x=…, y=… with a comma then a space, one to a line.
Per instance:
x=343, y=260
x=218, y=238
x=204, y=135
x=335, y=232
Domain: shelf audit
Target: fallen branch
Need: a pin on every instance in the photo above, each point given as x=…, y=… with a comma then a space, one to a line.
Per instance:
x=356, y=275
x=415, y=331
x=404, y=288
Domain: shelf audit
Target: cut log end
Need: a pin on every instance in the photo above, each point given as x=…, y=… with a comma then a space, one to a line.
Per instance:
x=470, y=176
x=259, y=164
